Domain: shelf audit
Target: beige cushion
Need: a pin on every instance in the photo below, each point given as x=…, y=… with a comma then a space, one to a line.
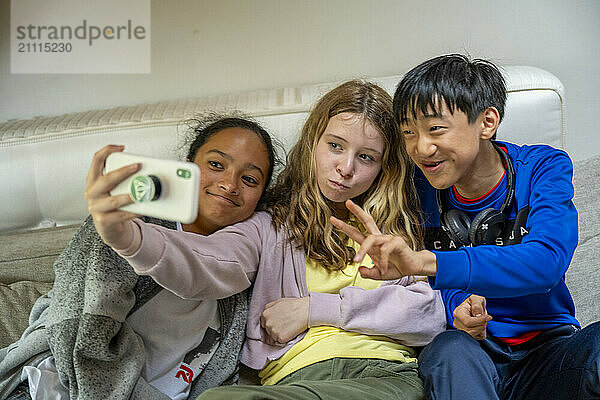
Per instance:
x=16, y=300
x=26, y=272
x=29, y=255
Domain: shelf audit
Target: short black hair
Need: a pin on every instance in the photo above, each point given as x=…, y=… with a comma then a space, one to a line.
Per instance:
x=468, y=85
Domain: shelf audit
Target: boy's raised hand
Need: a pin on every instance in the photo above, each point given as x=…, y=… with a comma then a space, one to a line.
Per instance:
x=392, y=257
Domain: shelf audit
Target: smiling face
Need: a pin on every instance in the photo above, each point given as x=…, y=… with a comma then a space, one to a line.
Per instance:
x=348, y=157
x=233, y=167
x=445, y=146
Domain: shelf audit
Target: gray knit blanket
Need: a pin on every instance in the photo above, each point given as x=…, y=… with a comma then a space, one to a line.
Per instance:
x=81, y=322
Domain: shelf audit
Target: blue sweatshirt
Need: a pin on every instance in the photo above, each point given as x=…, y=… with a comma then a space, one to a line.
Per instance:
x=522, y=276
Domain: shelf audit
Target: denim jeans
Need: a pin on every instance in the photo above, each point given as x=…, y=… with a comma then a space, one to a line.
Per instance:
x=560, y=363
x=21, y=392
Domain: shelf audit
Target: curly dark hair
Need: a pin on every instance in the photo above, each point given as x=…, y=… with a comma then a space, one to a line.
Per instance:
x=202, y=127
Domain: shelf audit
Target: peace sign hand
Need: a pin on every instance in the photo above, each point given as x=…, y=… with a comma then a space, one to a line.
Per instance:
x=393, y=258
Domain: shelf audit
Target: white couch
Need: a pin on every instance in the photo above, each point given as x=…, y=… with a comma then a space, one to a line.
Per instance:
x=43, y=163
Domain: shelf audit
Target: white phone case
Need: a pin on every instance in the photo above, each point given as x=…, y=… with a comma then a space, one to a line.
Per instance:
x=179, y=182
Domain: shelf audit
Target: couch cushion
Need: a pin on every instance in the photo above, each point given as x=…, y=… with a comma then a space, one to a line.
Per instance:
x=16, y=301
x=26, y=260
x=583, y=276
x=30, y=255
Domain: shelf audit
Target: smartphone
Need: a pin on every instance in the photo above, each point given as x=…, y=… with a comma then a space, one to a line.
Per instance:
x=166, y=189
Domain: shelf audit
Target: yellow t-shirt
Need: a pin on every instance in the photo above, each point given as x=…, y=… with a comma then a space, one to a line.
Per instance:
x=326, y=342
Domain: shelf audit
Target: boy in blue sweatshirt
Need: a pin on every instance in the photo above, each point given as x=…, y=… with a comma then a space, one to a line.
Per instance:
x=500, y=231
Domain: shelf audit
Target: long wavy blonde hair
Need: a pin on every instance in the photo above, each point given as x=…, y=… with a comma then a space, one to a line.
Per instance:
x=297, y=202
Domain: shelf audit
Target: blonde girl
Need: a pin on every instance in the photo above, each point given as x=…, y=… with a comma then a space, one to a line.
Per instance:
x=315, y=327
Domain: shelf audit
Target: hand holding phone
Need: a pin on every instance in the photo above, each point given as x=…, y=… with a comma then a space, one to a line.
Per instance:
x=161, y=188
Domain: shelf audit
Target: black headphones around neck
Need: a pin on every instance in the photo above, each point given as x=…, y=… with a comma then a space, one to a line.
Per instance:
x=488, y=224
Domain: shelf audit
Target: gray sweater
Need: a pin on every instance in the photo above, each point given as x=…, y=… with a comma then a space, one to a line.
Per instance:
x=81, y=322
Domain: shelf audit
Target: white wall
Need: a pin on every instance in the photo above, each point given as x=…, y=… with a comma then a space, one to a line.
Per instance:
x=207, y=47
